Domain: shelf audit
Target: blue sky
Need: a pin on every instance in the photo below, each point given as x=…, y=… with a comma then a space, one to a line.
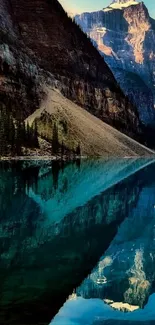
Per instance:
x=91, y=5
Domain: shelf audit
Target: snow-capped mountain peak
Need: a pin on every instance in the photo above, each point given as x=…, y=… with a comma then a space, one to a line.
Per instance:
x=122, y=1
x=124, y=33
x=120, y=4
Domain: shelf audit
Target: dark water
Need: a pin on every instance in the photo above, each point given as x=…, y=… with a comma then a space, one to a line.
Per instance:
x=83, y=231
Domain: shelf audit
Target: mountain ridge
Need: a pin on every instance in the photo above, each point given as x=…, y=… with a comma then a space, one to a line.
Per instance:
x=41, y=46
x=125, y=38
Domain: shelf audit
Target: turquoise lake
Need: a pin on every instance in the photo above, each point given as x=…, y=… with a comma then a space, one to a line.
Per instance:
x=77, y=242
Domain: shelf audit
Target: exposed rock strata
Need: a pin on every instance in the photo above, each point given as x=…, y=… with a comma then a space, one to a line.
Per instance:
x=40, y=44
x=126, y=36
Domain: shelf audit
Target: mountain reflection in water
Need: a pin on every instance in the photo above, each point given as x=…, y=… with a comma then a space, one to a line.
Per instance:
x=62, y=222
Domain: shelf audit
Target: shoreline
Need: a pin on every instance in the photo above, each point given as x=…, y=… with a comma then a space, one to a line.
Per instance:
x=65, y=158
x=52, y=158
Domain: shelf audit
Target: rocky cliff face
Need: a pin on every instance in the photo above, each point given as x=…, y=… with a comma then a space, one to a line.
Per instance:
x=124, y=34
x=40, y=44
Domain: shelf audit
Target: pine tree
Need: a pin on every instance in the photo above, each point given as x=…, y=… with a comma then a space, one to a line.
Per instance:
x=3, y=132
x=12, y=136
x=36, y=142
x=30, y=136
x=18, y=136
x=62, y=150
x=27, y=135
x=55, y=140
x=78, y=150
x=23, y=133
x=31, y=140
x=15, y=134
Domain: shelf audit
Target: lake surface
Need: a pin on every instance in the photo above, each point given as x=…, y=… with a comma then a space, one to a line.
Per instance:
x=77, y=242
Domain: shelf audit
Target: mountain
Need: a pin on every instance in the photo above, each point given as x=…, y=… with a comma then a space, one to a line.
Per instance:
x=77, y=123
x=124, y=34
x=42, y=48
x=120, y=4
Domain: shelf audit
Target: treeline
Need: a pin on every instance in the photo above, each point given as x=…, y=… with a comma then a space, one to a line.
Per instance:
x=16, y=137
x=59, y=149
x=15, y=134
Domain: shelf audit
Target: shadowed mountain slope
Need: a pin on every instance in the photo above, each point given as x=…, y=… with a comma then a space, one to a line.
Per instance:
x=41, y=45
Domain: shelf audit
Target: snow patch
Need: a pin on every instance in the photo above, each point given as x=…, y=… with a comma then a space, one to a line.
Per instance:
x=107, y=9
x=81, y=311
x=121, y=5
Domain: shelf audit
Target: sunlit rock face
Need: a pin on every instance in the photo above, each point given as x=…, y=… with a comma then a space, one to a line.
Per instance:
x=124, y=33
